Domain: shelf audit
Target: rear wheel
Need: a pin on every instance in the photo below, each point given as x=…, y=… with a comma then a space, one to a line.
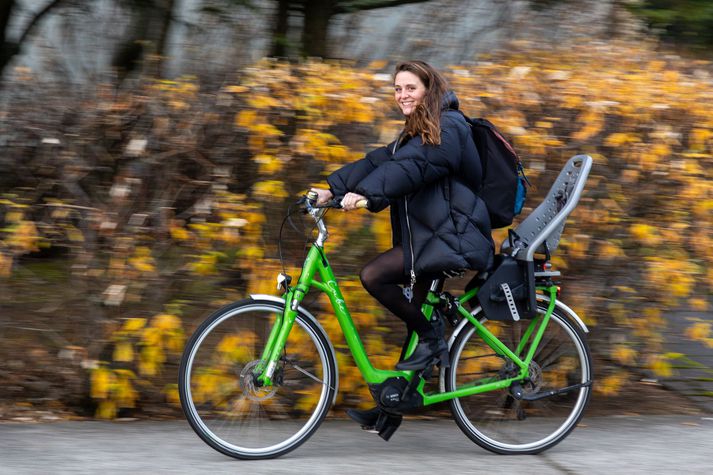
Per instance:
x=496, y=420
x=218, y=387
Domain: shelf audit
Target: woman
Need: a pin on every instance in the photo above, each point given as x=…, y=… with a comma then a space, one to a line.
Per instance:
x=431, y=178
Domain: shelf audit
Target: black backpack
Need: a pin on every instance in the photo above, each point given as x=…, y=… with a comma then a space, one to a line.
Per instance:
x=504, y=179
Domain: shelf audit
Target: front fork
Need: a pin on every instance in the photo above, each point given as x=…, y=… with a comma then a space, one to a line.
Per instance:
x=283, y=323
x=278, y=337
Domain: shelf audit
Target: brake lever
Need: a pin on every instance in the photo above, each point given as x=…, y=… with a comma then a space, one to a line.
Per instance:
x=330, y=204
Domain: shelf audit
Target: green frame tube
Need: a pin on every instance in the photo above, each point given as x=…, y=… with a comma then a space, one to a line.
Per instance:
x=316, y=264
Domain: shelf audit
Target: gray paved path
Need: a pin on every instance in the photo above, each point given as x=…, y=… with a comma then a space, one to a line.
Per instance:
x=608, y=445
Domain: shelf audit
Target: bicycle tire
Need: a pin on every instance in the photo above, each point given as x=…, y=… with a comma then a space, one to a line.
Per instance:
x=223, y=404
x=498, y=422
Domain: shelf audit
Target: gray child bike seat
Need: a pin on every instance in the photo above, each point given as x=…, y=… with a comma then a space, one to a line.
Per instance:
x=541, y=230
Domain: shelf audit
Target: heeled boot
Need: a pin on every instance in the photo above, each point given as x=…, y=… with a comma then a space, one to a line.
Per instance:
x=431, y=349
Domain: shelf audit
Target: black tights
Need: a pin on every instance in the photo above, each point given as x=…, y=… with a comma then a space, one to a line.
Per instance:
x=382, y=278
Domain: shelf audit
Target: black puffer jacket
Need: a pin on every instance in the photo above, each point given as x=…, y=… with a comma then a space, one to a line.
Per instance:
x=436, y=213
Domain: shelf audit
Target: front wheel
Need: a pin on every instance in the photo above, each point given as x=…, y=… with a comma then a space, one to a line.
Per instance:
x=497, y=421
x=218, y=386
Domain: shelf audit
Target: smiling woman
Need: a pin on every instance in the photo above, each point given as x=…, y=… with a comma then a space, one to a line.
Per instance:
x=431, y=178
x=408, y=91
x=419, y=91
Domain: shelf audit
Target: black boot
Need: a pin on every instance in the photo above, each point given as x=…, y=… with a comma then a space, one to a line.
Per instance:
x=366, y=418
x=429, y=351
x=431, y=348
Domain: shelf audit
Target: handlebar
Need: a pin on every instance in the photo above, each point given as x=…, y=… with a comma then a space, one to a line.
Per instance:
x=311, y=199
x=311, y=207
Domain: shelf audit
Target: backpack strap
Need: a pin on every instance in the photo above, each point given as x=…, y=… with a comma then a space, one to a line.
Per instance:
x=486, y=123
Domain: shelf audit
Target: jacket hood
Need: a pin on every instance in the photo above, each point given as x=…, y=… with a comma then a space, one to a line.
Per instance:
x=450, y=101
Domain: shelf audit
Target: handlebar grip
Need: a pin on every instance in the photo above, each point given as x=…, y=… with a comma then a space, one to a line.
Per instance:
x=312, y=195
x=362, y=204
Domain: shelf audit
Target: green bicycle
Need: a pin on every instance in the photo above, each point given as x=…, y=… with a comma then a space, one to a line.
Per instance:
x=258, y=377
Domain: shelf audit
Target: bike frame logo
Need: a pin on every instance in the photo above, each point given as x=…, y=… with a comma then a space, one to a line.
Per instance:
x=334, y=288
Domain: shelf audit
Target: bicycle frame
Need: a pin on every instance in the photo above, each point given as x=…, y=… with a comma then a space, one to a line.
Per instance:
x=316, y=264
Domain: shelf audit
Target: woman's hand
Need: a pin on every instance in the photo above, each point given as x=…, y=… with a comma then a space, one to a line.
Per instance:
x=350, y=200
x=322, y=195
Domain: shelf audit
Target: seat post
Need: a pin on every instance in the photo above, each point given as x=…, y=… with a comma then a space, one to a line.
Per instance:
x=435, y=285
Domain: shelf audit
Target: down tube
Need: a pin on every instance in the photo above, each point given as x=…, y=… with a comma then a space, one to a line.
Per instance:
x=330, y=287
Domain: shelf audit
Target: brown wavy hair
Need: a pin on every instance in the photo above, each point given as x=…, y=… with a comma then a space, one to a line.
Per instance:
x=425, y=120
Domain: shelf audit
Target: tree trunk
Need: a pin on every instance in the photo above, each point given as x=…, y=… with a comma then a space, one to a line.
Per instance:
x=167, y=7
x=147, y=34
x=6, y=7
x=279, y=33
x=317, y=14
x=8, y=49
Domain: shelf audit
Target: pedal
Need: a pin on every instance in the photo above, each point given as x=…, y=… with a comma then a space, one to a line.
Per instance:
x=387, y=424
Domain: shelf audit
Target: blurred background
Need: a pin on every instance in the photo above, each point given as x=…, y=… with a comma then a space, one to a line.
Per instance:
x=149, y=150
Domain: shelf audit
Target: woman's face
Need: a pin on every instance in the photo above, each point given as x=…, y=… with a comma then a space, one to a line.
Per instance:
x=408, y=91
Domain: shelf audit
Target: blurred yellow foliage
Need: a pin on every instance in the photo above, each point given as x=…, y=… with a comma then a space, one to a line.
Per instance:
x=644, y=119
x=23, y=236
x=142, y=260
x=133, y=324
x=645, y=233
x=643, y=241
x=179, y=233
x=660, y=366
x=612, y=384
x=625, y=355
x=699, y=331
x=5, y=265
x=113, y=387
x=124, y=351
x=270, y=189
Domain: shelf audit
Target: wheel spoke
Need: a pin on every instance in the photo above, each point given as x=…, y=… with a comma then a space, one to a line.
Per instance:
x=224, y=404
x=308, y=374
x=499, y=422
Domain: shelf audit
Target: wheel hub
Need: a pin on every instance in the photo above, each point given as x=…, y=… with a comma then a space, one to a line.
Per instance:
x=249, y=386
x=534, y=379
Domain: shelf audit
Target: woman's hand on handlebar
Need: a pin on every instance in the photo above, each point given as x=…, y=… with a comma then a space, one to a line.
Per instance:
x=351, y=201
x=323, y=196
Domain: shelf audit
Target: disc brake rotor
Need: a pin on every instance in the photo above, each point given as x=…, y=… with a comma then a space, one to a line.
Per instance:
x=534, y=374
x=248, y=384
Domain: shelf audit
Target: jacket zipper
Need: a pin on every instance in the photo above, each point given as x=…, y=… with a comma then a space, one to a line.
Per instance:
x=410, y=241
x=408, y=225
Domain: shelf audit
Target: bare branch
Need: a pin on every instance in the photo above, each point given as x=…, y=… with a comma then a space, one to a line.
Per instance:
x=36, y=19
x=358, y=5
